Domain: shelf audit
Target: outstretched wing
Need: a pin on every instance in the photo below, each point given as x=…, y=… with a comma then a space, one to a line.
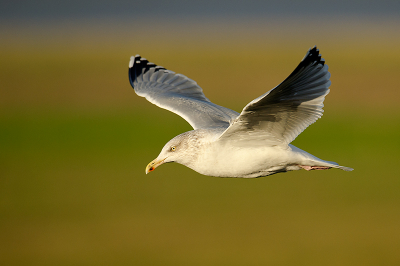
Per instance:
x=177, y=93
x=280, y=115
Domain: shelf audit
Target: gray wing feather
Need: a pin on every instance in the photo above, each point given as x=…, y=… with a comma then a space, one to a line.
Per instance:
x=281, y=114
x=178, y=94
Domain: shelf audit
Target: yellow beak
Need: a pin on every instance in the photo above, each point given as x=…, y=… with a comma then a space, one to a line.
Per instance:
x=153, y=165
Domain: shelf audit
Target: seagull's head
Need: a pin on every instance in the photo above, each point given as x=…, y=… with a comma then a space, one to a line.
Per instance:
x=180, y=149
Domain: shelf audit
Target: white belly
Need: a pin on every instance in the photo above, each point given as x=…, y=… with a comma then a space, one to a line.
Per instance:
x=228, y=161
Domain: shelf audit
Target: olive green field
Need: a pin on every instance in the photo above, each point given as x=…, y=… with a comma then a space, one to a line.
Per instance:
x=75, y=140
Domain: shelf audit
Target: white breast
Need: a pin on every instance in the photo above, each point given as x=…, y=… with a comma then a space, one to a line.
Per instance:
x=224, y=160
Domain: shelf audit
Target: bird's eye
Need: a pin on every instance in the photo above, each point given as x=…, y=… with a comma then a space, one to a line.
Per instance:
x=173, y=148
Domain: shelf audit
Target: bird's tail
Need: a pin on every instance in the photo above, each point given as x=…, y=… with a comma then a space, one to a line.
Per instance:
x=336, y=165
x=311, y=160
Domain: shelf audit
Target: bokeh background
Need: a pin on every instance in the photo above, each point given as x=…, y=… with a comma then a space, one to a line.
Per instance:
x=75, y=138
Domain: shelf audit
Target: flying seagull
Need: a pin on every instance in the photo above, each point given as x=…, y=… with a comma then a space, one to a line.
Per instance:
x=224, y=143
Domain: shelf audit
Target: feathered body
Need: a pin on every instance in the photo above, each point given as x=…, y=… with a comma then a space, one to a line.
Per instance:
x=224, y=143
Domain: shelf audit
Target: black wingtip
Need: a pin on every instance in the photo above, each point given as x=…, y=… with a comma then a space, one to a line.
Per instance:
x=313, y=56
x=139, y=66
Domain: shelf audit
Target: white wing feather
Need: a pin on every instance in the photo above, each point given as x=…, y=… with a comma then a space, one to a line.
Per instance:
x=281, y=114
x=178, y=94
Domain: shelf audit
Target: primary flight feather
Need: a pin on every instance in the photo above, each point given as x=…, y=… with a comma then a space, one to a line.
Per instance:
x=224, y=143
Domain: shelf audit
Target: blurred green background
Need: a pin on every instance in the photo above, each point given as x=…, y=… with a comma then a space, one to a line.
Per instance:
x=75, y=138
